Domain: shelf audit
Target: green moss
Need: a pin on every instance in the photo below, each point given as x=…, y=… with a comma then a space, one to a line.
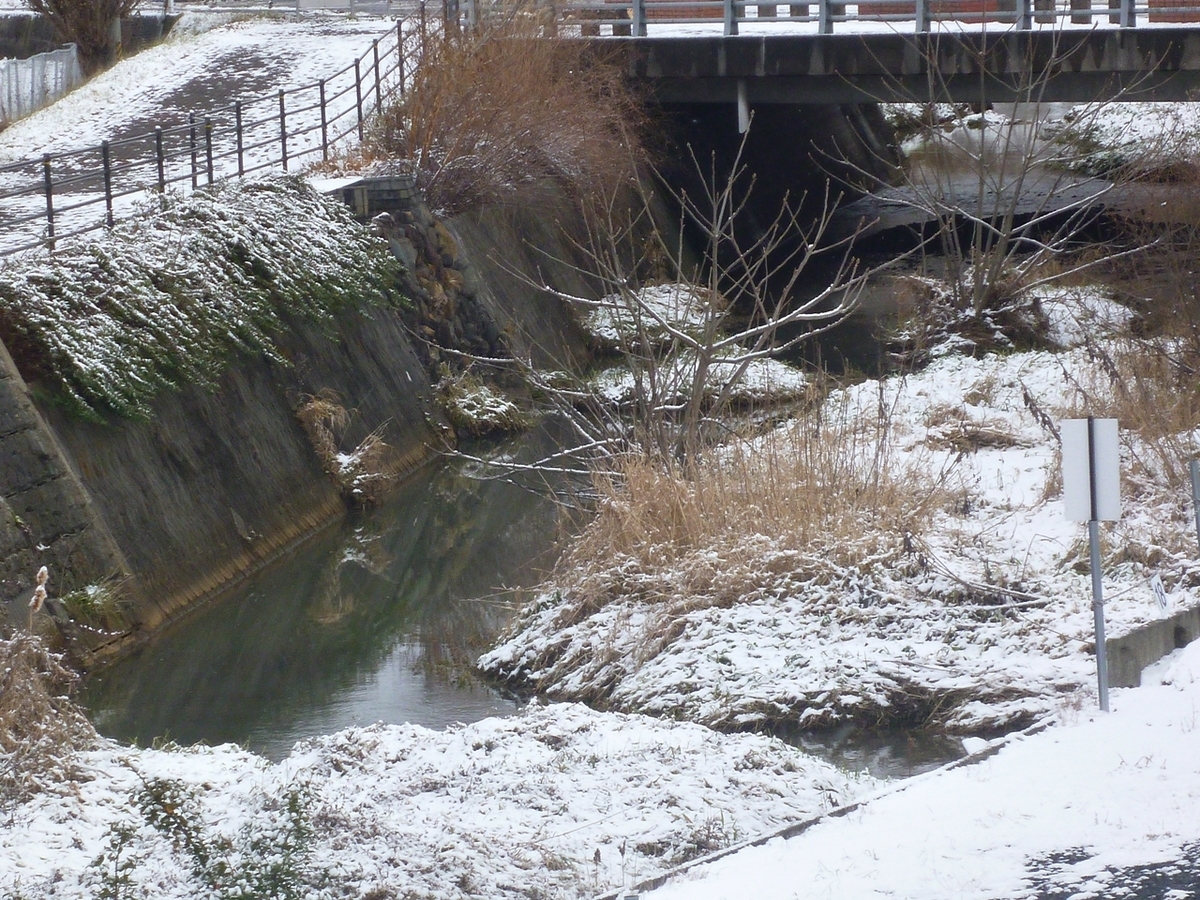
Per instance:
x=168, y=297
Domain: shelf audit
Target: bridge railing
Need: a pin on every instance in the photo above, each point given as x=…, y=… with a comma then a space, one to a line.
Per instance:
x=56, y=196
x=623, y=18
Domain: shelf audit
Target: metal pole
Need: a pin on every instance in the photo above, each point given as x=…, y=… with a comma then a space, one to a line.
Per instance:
x=378, y=94
x=1097, y=579
x=1194, y=468
x=1024, y=15
x=208, y=161
x=324, y=122
x=922, y=14
x=192, y=143
x=400, y=55
x=358, y=97
x=49, y=182
x=731, y=23
x=824, y=19
x=237, y=119
x=160, y=159
x=106, y=162
x=639, y=18
x=283, y=130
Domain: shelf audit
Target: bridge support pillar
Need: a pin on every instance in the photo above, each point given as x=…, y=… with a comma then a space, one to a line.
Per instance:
x=743, y=107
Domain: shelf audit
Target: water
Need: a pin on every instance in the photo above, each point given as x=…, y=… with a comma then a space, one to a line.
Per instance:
x=377, y=619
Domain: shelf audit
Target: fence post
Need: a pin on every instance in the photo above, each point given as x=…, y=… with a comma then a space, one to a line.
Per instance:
x=400, y=55
x=922, y=11
x=49, y=182
x=324, y=122
x=639, y=18
x=208, y=161
x=237, y=119
x=730, y=13
x=358, y=97
x=378, y=93
x=1024, y=15
x=282, y=130
x=160, y=159
x=106, y=164
x=192, y=145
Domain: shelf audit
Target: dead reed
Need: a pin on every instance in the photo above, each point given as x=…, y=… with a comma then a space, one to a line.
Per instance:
x=491, y=112
x=41, y=728
x=807, y=501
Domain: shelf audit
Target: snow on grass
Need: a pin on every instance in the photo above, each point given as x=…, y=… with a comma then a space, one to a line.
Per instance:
x=166, y=298
x=977, y=620
x=558, y=802
x=1104, y=806
x=764, y=380
x=650, y=315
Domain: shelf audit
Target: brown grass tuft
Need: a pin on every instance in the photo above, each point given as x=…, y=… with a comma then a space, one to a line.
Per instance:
x=491, y=112
x=41, y=728
x=803, y=503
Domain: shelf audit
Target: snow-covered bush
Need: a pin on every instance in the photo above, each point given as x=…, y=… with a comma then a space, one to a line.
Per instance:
x=166, y=298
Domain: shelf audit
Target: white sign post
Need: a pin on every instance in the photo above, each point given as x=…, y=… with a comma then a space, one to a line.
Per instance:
x=1092, y=493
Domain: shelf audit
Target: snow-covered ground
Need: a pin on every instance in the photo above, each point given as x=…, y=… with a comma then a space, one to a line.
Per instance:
x=978, y=619
x=1102, y=805
x=557, y=802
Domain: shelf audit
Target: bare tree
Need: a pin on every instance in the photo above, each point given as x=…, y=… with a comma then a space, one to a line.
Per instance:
x=689, y=326
x=92, y=25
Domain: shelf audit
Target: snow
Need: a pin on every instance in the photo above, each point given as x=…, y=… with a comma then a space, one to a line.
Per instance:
x=560, y=801
x=1101, y=793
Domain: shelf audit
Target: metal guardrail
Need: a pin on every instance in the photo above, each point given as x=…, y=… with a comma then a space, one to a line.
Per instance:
x=61, y=195
x=625, y=18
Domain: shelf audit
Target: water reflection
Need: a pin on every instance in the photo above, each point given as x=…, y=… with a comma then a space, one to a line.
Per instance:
x=370, y=621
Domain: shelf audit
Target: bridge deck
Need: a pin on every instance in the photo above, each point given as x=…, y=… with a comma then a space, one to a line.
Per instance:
x=1161, y=63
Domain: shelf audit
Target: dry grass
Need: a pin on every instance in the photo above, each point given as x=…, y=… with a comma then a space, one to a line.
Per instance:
x=40, y=727
x=803, y=503
x=488, y=114
x=365, y=474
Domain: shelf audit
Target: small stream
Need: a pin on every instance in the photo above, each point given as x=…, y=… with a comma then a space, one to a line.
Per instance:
x=376, y=619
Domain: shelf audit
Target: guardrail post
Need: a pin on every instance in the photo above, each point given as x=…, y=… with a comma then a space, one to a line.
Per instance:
x=922, y=13
x=106, y=164
x=358, y=97
x=378, y=94
x=639, y=18
x=1128, y=13
x=824, y=17
x=160, y=159
x=1024, y=15
x=324, y=122
x=48, y=180
x=731, y=22
x=283, y=130
x=208, y=161
x=237, y=127
x=192, y=144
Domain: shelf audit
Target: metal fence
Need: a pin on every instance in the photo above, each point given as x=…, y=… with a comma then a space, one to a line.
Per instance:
x=61, y=195
x=26, y=85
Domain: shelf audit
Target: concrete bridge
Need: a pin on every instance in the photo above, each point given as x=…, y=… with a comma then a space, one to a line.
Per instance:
x=741, y=51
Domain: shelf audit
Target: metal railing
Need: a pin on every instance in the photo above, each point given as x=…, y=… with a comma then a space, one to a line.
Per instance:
x=624, y=18
x=61, y=195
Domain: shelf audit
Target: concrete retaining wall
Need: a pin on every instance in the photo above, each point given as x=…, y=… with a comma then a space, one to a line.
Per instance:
x=1130, y=654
